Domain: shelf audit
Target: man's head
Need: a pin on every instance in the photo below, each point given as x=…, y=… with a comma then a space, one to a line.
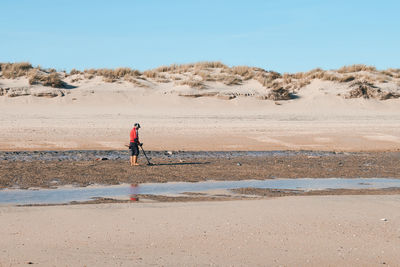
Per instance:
x=136, y=125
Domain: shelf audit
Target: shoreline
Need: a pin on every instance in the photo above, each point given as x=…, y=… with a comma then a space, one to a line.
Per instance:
x=239, y=194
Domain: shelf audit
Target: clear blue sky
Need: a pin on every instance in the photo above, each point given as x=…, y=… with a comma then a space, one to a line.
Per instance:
x=286, y=36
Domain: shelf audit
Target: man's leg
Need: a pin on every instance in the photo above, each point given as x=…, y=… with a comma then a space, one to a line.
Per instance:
x=135, y=161
x=131, y=160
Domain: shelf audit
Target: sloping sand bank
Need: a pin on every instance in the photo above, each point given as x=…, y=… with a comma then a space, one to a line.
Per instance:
x=289, y=231
x=314, y=121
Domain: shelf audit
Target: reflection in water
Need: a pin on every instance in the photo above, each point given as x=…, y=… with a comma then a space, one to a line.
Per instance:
x=132, y=192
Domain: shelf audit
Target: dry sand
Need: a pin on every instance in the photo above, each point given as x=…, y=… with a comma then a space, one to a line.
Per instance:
x=99, y=115
x=289, y=231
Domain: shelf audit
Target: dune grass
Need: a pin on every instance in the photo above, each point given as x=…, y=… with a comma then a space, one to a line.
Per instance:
x=15, y=70
x=356, y=68
x=109, y=75
x=193, y=83
x=364, y=89
x=46, y=79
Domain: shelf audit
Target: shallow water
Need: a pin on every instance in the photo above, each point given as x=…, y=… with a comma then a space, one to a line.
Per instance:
x=68, y=194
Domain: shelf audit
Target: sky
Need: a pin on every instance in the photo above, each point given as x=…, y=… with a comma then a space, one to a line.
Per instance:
x=285, y=36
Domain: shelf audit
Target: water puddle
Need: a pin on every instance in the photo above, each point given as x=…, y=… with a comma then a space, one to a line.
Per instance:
x=125, y=191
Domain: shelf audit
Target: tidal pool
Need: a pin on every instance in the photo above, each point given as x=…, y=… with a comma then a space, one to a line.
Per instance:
x=124, y=191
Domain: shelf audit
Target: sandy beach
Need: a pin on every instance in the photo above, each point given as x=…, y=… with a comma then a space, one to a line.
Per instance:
x=321, y=124
x=199, y=133
x=301, y=231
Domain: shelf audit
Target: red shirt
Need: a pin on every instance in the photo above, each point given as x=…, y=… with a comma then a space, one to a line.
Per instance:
x=134, y=135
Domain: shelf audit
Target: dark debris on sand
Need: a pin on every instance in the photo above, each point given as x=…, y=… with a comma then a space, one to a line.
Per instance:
x=191, y=167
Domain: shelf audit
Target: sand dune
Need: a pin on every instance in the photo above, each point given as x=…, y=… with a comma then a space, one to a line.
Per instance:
x=207, y=106
x=204, y=79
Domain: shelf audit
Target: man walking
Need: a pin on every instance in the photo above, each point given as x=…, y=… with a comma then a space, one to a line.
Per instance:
x=134, y=144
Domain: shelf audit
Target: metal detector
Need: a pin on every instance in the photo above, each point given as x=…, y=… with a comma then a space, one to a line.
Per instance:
x=144, y=153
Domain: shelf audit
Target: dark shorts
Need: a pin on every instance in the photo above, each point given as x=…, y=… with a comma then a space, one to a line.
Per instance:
x=134, y=149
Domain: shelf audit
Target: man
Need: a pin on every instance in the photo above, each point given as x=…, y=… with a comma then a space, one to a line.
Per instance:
x=134, y=144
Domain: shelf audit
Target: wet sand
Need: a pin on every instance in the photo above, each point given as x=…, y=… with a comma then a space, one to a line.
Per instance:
x=267, y=192
x=289, y=231
x=45, y=171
